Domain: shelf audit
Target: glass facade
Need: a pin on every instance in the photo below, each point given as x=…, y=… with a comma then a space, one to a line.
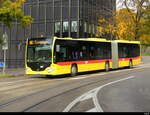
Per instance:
x=61, y=18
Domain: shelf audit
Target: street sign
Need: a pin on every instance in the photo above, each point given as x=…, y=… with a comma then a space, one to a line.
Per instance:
x=2, y=64
x=5, y=42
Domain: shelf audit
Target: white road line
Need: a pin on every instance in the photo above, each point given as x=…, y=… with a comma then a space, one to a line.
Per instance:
x=88, y=96
x=92, y=110
x=95, y=99
x=86, y=76
x=77, y=78
x=93, y=94
x=72, y=104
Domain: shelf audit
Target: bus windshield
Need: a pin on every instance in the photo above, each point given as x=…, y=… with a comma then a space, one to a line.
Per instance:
x=39, y=50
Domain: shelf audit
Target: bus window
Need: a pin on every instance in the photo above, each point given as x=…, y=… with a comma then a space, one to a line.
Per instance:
x=92, y=52
x=123, y=50
x=57, y=29
x=61, y=56
x=84, y=51
x=135, y=52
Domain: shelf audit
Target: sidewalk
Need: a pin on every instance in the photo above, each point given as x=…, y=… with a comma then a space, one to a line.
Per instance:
x=15, y=72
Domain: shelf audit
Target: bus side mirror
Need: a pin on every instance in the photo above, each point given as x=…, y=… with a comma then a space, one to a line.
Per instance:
x=57, y=48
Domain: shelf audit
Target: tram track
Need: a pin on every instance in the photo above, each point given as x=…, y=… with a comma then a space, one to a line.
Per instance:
x=42, y=92
x=45, y=91
x=29, y=87
x=95, y=83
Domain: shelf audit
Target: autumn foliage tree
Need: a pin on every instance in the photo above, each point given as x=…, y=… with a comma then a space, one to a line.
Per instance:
x=145, y=30
x=139, y=7
x=119, y=25
x=130, y=23
x=11, y=11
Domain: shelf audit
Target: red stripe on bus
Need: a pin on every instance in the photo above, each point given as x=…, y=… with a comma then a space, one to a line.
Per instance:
x=127, y=59
x=83, y=62
x=94, y=61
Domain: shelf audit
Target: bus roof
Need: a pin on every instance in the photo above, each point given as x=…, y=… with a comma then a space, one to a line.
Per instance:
x=126, y=41
x=100, y=40
x=85, y=39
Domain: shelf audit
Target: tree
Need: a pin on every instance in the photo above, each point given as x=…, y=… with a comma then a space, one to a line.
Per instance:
x=138, y=7
x=1, y=41
x=132, y=22
x=11, y=11
x=119, y=25
x=145, y=30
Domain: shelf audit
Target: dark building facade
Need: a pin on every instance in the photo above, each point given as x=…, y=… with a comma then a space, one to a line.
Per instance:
x=61, y=18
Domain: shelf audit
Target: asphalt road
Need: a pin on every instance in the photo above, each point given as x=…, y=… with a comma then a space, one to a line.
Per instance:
x=123, y=90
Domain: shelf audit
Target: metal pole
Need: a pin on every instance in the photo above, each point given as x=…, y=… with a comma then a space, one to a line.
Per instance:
x=78, y=32
x=53, y=33
x=38, y=17
x=69, y=18
x=4, y=68
x=45, y=19
x=61, y=30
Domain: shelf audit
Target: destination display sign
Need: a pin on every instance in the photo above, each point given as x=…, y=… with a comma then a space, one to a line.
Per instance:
x=37, y=42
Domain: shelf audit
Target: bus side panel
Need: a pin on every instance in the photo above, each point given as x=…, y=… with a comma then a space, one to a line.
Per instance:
x=95, y=66
x=61, y=69
x=83, y=67
x=136, y=61
x=124, y=62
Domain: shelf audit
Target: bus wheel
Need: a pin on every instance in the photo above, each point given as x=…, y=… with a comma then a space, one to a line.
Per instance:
x=130, y=64
x=107, y=66
x=74, y=70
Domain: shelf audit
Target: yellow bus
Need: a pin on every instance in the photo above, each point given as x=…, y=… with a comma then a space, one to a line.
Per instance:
x=59, y=56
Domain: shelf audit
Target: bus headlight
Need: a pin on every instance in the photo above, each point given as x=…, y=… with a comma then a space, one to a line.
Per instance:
x=50, y=70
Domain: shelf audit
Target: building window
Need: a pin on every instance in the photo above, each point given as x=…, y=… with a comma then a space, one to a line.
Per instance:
x=93, y=29
x=57, y=27
x=65, y=26
x=74, y=26
x=85, y=27
x=90, y=29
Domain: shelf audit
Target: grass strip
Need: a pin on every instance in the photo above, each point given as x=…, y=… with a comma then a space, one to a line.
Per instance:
x=6, y=75
x=145, y=54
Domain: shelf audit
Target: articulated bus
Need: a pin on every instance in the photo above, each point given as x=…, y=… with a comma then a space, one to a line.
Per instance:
x=59, y=56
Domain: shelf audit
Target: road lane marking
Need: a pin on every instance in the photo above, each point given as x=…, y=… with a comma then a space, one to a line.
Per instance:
x=77, y=100
x=92, y=110
x=77, y=78
x=87, y=97
x=86, y=76
x=95, y=99
x=93, y=94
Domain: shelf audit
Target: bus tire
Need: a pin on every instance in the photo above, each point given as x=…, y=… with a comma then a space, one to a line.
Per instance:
x=74, y=70
x=130, y=64
x=107, y=67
